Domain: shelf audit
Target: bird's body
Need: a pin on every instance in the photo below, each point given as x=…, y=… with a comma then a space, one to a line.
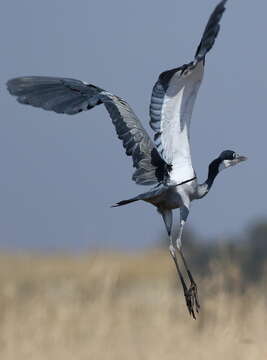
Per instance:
x=169, y=197
x=164, y=164
x=173, y=196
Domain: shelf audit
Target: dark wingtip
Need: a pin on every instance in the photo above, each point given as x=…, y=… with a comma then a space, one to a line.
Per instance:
x=211, y=31
x=10, y=85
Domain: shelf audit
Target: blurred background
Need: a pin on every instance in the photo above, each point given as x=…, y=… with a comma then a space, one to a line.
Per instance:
x=79, y=279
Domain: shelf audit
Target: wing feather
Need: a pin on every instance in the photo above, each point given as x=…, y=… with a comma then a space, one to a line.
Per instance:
x=70, y=96
x=172, y=101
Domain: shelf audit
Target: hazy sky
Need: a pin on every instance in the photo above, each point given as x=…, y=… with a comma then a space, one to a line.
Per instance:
x=60, y=174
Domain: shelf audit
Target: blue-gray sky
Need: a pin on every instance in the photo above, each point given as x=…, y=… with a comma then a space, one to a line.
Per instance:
x=59, y=173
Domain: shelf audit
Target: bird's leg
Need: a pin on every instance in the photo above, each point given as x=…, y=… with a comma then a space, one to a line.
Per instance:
x=187, y=293
x=192, y=291
x=167, y=217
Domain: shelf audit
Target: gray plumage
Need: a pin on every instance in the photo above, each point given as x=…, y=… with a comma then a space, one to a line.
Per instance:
x=70, y=96
x=166, y=163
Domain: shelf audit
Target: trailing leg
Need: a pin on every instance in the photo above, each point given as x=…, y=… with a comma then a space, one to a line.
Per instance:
x=167, y=217
x=192, y=291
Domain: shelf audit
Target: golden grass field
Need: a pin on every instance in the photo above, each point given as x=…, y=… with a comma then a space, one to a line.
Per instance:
x=114, y=307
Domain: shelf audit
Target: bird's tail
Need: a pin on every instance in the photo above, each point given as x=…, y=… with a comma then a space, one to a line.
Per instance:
x=125, y=202
x=157, y=191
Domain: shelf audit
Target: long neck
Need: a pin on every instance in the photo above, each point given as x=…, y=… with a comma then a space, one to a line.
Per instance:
x=204, y=188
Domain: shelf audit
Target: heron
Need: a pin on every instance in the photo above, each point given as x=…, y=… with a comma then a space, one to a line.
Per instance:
x=163, y=164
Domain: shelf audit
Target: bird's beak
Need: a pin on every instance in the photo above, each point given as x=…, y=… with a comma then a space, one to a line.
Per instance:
x=241, y=158
x=238, y=159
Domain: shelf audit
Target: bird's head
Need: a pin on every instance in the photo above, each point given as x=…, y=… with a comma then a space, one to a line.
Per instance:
x=229, y=158
x=225, y=160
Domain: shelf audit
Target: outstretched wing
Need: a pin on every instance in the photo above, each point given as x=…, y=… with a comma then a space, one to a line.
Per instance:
x=70, y=96
x=172, y=102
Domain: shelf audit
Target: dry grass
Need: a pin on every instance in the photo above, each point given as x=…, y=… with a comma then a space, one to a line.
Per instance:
x=114, y=308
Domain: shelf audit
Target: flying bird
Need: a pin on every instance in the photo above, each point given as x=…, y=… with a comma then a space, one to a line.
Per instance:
x=164, y=164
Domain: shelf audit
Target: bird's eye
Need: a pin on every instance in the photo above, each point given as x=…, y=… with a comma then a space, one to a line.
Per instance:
x=234, y=155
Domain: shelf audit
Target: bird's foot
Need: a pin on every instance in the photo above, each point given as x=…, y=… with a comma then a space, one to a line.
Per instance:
x=192, y=301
